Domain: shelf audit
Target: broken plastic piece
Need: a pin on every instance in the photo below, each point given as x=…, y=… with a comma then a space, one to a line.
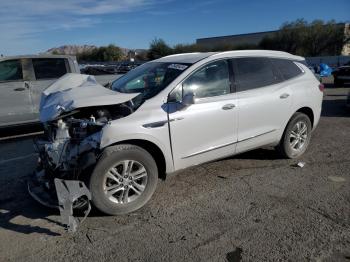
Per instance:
x=68, y=192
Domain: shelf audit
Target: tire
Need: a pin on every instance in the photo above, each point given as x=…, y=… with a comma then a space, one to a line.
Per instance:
x=285, y=146
x=109, y=174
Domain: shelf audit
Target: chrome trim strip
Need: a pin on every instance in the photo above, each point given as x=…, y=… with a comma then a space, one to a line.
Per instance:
x=155, y=124
x=161, y=123
x=224, y=145
x=273, y=130
x=209, y=149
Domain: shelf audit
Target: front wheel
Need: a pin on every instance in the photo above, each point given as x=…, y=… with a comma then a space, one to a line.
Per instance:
x=123, y=180
x=296, y=136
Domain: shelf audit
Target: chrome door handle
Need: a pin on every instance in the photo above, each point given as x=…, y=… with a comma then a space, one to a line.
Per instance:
x=283, y=96
x=228, y=106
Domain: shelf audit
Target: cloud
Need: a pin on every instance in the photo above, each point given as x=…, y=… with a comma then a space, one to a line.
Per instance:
x=25, y=20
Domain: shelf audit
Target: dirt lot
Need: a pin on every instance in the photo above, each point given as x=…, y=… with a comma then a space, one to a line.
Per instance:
x=251, y=207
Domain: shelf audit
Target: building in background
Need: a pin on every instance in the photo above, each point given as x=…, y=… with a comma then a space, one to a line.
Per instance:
x=236, y=40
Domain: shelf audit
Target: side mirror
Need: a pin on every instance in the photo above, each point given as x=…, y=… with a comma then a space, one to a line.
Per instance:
x=108, y=85
x=188, y=99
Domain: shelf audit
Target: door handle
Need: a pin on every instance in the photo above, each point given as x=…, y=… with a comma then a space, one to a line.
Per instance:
x=228, y=106
x=283, y=96
x=19, y=89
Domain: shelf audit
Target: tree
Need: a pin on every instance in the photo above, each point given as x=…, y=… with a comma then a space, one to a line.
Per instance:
x=187, y=48
x=158, y=48
x=142, y=56
x=307, y=39
x=102, y=54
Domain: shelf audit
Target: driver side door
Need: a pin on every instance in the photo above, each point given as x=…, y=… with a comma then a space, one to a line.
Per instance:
x=207, y=129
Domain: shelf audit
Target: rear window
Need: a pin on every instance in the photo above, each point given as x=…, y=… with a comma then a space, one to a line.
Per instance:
x=48, y=68
x=287, y=68
x=254, y=72
x=11, y=70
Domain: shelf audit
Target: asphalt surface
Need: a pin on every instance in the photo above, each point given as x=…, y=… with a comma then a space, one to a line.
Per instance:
x=251, y=207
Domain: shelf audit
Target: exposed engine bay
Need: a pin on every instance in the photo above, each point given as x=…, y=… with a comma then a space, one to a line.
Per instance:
x=72, y=137
x=72, y=141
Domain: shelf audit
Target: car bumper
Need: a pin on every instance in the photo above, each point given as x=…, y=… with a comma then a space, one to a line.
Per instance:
x=40, y=190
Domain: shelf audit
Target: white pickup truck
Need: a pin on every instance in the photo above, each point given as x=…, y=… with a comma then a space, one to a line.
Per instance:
x=22, y=80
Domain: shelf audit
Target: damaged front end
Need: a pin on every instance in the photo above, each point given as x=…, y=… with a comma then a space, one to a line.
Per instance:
x=68, y=153
x=71, y=144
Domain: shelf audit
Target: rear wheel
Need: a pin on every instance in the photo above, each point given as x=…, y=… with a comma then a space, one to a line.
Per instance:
x=123, y=180
x=296, y=136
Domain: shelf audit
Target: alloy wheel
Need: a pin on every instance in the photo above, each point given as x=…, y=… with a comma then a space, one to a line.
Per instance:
x=125, y=181
x=298, y=136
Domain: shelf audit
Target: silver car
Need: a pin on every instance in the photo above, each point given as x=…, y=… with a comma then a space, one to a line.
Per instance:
x=170, y=114
x=23, y=78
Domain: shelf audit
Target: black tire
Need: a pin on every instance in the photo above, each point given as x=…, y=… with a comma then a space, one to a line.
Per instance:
x=284, y=146
x=110, y=157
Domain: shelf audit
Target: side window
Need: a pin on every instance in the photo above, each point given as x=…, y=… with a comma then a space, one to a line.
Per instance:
x=211, y=80
x=175, y=95
x=253, y=72
x=287, y=68
x=11, y=70
x=48, y=68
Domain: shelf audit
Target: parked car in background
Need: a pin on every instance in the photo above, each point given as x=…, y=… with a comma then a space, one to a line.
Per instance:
x=170, y=114
x=22, y=80
x=341, y=75
x=125, y=67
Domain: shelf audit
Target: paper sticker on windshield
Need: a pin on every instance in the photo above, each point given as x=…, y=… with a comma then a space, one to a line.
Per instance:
x=178, y=66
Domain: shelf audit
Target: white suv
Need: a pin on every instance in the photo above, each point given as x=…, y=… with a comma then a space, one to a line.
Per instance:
x=172, y=113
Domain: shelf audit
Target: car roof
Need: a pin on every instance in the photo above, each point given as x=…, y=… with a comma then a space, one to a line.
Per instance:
x=195, y=57
x=185, y=58
x=35, y=56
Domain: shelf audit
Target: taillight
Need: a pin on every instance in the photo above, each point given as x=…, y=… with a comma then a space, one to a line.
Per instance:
x=321, y=87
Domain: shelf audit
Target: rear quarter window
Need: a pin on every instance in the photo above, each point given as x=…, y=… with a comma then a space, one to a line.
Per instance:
x=49, y=68
x=287, y=68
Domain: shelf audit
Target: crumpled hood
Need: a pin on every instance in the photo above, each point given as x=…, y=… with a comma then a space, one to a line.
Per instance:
x=73, y=91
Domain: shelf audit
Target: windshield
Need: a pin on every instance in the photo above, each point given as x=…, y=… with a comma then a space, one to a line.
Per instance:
x=149, y=79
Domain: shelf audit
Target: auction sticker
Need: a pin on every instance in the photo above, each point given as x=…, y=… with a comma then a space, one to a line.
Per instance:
x=178, y=66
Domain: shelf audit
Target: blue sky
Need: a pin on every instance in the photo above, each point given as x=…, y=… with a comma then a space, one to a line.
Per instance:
x=32, y=26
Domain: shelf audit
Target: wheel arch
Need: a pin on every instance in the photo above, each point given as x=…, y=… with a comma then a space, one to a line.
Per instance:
x=307, y=111
x=151, y=148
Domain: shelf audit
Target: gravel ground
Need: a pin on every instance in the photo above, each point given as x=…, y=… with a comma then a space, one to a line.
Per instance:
x=251, y=207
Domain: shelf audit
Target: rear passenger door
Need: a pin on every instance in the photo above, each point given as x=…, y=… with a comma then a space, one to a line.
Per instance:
x=46, y=71
x=264, y=101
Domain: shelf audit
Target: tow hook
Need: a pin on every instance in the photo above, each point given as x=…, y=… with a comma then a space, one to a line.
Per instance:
x=69, y=192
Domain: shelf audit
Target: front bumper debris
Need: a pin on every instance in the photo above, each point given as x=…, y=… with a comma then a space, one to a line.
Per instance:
x=40, y=190
x=65, y=195
x=68, y=193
